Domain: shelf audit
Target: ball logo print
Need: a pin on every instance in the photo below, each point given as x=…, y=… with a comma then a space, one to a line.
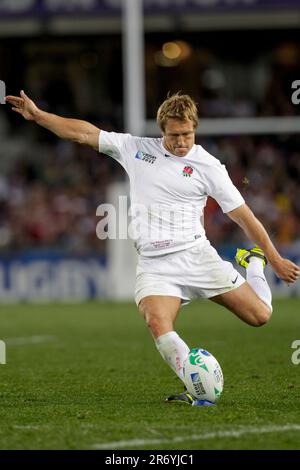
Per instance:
x=203, y=376
x=196, y=360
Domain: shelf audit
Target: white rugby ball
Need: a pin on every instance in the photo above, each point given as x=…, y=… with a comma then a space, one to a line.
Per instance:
x=203, y=375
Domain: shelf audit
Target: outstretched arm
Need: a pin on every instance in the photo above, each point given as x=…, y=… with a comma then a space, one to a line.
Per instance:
x=76, y=130
x=254, y=230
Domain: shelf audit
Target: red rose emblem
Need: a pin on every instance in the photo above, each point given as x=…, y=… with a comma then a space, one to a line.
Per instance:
x=187, y=171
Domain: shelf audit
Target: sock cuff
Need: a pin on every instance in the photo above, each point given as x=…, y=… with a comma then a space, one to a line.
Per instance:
x=161, y=339
x=256, y=266
x=256, y=260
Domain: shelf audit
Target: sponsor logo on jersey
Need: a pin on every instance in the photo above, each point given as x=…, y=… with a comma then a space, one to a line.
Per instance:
x=187, y=171
x=146, y=157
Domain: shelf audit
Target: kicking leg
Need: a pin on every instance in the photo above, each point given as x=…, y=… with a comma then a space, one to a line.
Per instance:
x=252, y=301
x=254, y=262
x=246, y=304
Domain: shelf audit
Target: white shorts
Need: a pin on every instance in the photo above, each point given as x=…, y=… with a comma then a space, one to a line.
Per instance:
x=188, y=274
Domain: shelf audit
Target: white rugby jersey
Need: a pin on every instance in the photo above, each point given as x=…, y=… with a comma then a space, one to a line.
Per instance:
x=168, y=193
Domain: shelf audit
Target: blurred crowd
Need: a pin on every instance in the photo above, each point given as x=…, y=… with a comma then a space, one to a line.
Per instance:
x=50, y=189
x=49, y=196
x=237, y=82
x=267, y=172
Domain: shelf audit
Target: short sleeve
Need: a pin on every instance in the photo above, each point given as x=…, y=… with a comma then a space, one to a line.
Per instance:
x=118, y=146
x=219, y=186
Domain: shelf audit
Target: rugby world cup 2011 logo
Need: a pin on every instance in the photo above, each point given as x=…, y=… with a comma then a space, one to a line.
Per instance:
x=187, y=171
x=196, y=359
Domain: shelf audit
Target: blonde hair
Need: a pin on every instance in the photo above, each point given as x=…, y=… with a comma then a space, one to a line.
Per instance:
x=177, y=106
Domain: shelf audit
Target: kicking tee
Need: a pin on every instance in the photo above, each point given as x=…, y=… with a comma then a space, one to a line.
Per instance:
x=168, y=193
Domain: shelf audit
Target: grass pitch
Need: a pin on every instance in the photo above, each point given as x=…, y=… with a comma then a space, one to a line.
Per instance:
x=88, y=376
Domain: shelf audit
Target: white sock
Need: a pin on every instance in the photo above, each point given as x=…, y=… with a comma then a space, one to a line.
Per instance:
x=256, y=278
x=173, y=350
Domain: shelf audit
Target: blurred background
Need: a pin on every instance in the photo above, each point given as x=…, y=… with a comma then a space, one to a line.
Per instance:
x=236, y=58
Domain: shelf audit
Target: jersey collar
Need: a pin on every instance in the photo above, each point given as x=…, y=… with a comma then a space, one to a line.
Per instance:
x=168, y=154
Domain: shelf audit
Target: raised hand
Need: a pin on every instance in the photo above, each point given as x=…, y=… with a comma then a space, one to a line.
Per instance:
x=286, y=270
x=24, y=106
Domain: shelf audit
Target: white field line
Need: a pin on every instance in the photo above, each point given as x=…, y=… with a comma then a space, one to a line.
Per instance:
x=238, y=432
x=29, y=340
x=36, y=427
x=31, y=426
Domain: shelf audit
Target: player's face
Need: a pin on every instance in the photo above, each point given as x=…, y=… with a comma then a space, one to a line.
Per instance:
x=179, y=136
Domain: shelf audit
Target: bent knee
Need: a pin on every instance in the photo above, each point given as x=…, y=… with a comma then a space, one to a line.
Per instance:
x=261, y=316
x=157, y=319
x=154, y=324
x=154, y=320
x=149, y=312
x=158, y=324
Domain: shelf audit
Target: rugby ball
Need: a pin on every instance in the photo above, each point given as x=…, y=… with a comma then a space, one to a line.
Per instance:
x=203, y=375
